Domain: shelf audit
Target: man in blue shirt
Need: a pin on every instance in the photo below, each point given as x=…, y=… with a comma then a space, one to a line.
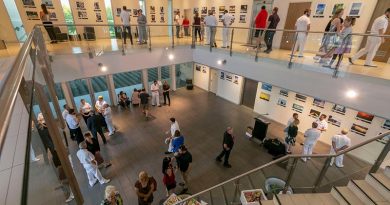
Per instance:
x=177, y=141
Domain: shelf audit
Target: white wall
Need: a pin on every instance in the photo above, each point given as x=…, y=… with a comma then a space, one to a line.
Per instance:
x=319, y=24
x=157, y=30
x=230, y=90
x=29, y=24
x=7, y=32
x=202, y=77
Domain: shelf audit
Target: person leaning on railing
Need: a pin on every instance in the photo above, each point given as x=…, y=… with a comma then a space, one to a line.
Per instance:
x=196, y=25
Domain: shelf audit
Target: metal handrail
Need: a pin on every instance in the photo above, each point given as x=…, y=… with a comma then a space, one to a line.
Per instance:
x=10, y=85
x=284, y=158
x=235, y=27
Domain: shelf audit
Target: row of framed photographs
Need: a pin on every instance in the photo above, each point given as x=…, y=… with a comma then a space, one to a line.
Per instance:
x=354, y=11
x=229, y=77
x=221, y=9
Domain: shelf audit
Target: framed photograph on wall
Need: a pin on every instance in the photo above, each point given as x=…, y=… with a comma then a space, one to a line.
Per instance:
x=221, y=9
x=53, y=16
x=48, y=3
x=297, y=108
x=80, y=5
x=152, y=10
x=314, y=113
x=242, y=19
x=282, y=102
x=365, y=117
x=153, y=18
x=96, y=6
x=386, y=125
x=28, y=4
x=358, y=129
x=356, y=9
x=162, y=19
x=319, y=103
x=196, y=10
x=32, y=15
x=334, y=121
x=232, y=9
x=118, y=11
x=336, y=7
x=339, y=109
x=300, y=97
x=135, y=12
x=235, y=79
x=283, y=92
x=266, y=86
x=213, y=9
x=197, y=67
x=244, y=9
x=229, y=77
x=320, y=10
x=222, y=76
x=82, y=15
x=99, y=17
x=265, y=96
x=204, y=10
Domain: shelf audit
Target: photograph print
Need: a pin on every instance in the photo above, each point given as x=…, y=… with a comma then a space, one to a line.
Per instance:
x=386, y=125
x=222, y=76
x=337, y=7
x=204, y=10
x=244, y=9
x=356, y=9
x=221, y=9
x=153, y=18
x=152, y=10
x=242, y=19
x=48, y=3
x=266, y=86
x=265, y=96
x=197, y=67
x=82, y=15
x=358, y=129
x=314, y=113
x=339, y=109
x=365, y=117
x=320, y=9
x=53, y=16
x=196, y=10
x=118, y=11
x=334, y=121
x=161, y=9
x=283, y=92
x=80, y=5
x=99, y=17
x=297, y=108
x=319, y=103
x=282, y=102
x=162, y=19
x=28, y=4
x=135, y=12
x=32, y=15
x=96, y=6
x=232, y=9
x=235, y=80
x=229, y=77
x=300, y=97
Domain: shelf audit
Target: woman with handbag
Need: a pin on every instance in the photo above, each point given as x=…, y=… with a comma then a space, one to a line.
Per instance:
x=94, y=148
x=292, y=132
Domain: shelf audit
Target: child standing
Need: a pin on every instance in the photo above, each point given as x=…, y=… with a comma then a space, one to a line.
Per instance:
x=108, y=118
x=345, y=42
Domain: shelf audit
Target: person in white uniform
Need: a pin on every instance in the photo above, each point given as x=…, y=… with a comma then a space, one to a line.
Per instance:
x=227, y=21
x=322, y=124
x=340, y=142
x=66, y=111
x=211, y=22
x=379, y=27
x=108, y=118
x=174, y=127
x=85, y=109
x=90, y=165
x=155, y=88
x=311, y=136
x=302, y=24
x=99, y=104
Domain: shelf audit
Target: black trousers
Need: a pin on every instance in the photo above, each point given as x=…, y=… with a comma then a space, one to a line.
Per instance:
x=177, y=31
x=225, y=153
x=166, y=95
x=128, y=29
x=197, y=32
x=268, y=38
x=100, y=131
x=76, y=134
x=50, y=30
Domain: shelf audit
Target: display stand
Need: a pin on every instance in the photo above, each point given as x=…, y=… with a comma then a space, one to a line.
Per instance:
x=260, y=129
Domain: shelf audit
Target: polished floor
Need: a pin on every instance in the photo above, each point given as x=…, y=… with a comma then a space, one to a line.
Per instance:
x=203, y=117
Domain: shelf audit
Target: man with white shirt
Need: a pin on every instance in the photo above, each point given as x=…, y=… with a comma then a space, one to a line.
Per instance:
x=177, y=23
x=227, y=21
x=74, y=126
x=66, y=111
x=99, y=104
x=340, y=142
x=85, y=110
x=155, y=88
x=125, y=18
x=303, y=25
x=322, y=124
x=90, y=165
x=379, y=27
x=211, y=22
x=174, y=127
x=311, y=136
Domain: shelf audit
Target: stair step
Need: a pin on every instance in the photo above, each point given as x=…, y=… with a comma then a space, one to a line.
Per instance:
x=366, y=192
x=387, y=171
x=345, y=196
x=267, y=202
x=285, y=199
x=380, y=183
x=307, y=199
x=326, y=198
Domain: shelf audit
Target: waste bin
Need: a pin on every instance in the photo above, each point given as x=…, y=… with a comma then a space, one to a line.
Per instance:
x=276, y=185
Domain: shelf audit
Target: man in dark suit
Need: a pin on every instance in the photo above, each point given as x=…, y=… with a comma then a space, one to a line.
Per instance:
x=94, y=124
x=228, y=142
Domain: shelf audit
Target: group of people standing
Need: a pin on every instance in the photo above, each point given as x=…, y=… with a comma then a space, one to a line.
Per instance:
x=340, y=141
x=125, y=16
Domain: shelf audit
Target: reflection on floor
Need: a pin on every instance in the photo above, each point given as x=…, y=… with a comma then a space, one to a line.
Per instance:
x=203, y=117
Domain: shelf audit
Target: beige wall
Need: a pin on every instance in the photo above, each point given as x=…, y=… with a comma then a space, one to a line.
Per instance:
x=7, y=32
x=157, y=30
x=318, y=24
x=119, y=4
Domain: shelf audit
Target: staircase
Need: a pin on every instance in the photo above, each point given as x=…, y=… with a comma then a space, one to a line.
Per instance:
x=374, y=189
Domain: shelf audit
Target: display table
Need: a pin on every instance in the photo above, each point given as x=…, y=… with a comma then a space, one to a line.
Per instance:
x=252, y=197
x=173, y=198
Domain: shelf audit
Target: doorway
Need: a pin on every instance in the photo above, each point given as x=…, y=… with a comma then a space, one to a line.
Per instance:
x=257, y=4
x=213, y=81
x=249, y=93
x=295, y=10
x=383, y=53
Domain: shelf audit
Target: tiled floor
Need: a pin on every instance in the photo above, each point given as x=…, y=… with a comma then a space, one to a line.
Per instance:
x=203, y=117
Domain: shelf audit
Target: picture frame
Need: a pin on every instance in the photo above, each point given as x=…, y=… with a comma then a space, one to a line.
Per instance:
x=358, y=129
x=244, y=9
x=161, y=9
x=48, y=3
x=162, y=18
x=118, y=11
x=334, y=121
x=82, y=15
x=221, y=9
x=196, y=10
x=96, y=6
x=222, y=77
x=53, y=16
x=236, y=79
x=152, y=9
x=204, y=10
x=265, y=96
x=197, y=67
x=242, y=19
x=365, y=117
x=339, y=109
x=283, y=92
x=28, y=4
x=153, y=18
x=297, y=108
x=135, y=12
x=232, y=9
x=229, y=77
x=282, y=102
x=98, y=17
x=266, y=86
x=300, y=97
x=386, y=125
x=32, y=15
x=314, y=113
x=356, y=9
x=80, y=5
x=319, y=103
x=336, y=7
x=320, y=10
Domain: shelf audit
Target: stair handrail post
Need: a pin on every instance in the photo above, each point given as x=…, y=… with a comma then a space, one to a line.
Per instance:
x=381, y=156
x=324, y=169
x=290, y=174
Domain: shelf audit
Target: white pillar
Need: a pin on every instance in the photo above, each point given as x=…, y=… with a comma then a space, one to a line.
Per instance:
x=145, y=79
x=68, y=95
x=111, y=89
x=159, y=73
x=173, y=77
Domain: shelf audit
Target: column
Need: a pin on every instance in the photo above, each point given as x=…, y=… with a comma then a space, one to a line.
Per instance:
x=68, y=95
x=173, y=77
x=145, y=79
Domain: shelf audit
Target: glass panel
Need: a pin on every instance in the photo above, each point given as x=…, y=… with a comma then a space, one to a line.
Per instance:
x=126, y=82
x=100, y=88
x=15, y=19
x=68, y=17
x=110, y=18
x=165, y=74
x=184, y=71
x=80, y=91
x=152, y=75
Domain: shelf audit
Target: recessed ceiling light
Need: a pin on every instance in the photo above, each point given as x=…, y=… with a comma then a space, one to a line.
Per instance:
x=351, y=94
x=171, y=56
x=219, y=62
x=103, y=68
